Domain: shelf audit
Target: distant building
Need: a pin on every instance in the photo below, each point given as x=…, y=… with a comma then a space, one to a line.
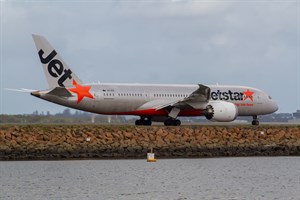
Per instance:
x=296, y=117
x=296, y=114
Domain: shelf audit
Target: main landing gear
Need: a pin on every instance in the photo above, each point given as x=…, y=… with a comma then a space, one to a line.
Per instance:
x=147, y=121
x=143, y=122
x=172, y=122
x=255, y=121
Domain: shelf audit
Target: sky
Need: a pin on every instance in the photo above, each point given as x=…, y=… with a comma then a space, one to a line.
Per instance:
x=251, y=43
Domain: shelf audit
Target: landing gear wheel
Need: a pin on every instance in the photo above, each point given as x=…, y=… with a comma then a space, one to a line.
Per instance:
x=147, y=123
x=172, y=122
x=143, y=122
x=138, y=122
x=167, y=123
x=255, y=121
x=177, y=122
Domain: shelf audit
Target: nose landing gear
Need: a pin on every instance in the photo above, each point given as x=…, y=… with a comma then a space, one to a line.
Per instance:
x=255, y=121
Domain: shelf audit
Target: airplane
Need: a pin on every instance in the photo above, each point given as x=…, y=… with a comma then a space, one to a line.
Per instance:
x=151, y=102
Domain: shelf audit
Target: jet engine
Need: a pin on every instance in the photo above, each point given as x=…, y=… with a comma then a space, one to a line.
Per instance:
x=221, y=111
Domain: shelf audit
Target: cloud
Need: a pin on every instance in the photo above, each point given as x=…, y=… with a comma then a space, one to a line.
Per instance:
x=154, y=42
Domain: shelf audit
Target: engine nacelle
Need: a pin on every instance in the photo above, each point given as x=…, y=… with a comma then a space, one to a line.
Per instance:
x=221, y=111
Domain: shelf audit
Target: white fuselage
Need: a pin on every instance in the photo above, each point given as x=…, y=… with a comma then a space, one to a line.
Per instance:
x=143, y=99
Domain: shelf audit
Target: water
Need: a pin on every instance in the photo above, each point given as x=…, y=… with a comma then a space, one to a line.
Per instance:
x=178, y=179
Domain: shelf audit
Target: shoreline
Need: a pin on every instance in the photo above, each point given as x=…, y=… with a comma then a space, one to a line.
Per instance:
x=63, y=142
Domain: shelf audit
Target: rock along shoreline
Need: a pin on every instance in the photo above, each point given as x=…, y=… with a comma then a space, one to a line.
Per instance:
x=51, y=142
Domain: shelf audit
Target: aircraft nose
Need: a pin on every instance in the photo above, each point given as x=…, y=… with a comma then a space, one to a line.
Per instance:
x=274, y=106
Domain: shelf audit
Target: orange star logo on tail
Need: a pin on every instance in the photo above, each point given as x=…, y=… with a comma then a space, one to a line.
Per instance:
x=81, y=91
x=248, y=94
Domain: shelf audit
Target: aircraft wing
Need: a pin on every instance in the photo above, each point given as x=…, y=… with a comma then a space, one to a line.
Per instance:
x=202, y=94
x=157, y=104
x=196, y=100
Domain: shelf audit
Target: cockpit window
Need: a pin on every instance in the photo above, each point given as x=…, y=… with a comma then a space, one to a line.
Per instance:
x=270, y=97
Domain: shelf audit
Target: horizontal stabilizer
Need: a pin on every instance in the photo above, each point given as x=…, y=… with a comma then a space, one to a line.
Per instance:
x=60, y=91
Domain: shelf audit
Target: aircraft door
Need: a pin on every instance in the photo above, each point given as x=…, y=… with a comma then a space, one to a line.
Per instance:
x=258, y=98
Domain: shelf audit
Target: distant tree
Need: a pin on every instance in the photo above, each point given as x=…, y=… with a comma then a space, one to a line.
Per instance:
x=66, y=113
x=77, y=113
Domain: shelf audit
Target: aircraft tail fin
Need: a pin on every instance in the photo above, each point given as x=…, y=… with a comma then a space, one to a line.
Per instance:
x=57, y=72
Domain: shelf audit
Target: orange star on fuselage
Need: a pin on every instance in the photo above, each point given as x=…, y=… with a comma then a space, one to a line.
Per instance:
x=248, y=94
x=81, y=91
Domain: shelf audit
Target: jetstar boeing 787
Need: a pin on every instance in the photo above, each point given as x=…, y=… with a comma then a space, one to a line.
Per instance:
x=152, y=102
